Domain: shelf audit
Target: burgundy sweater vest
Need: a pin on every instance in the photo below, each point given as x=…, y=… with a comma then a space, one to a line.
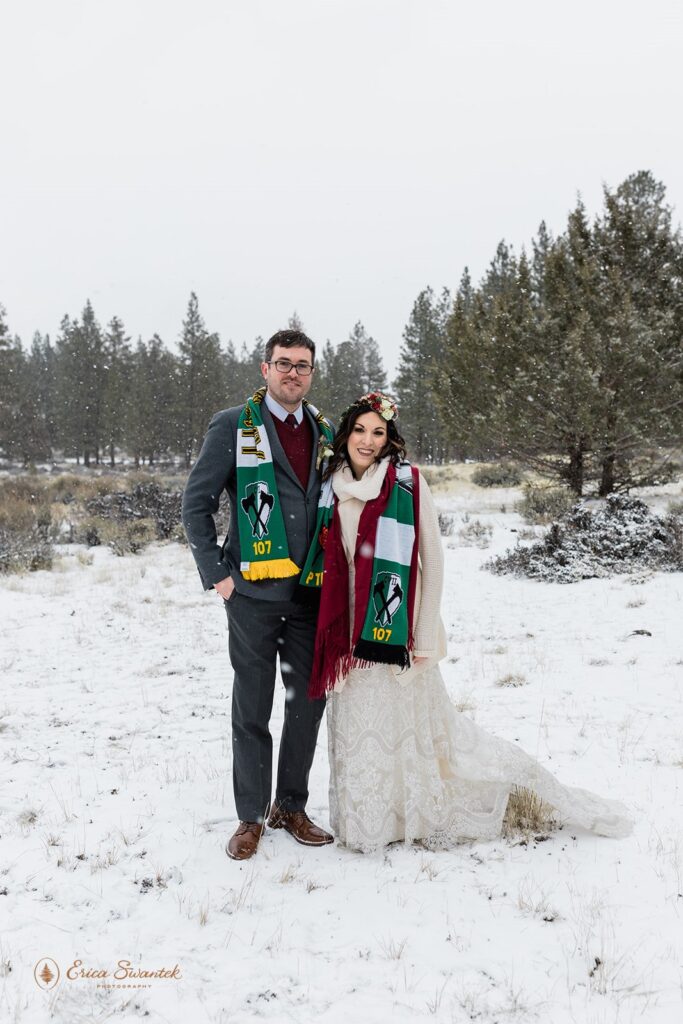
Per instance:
x=298, y=445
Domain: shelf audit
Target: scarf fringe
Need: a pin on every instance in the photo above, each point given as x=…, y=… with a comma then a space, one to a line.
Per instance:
x=331, y=659
x=275, y=569
x=384, y=654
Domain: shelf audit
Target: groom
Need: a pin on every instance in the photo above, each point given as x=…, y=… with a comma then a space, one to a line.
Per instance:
x=264, y=455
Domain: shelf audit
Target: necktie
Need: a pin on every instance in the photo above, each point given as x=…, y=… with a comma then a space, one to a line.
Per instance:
x=290, y=420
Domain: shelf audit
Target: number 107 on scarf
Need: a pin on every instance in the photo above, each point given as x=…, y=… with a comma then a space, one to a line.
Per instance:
x=380, y=634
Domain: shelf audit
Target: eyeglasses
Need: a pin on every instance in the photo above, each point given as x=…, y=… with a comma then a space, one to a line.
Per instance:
x=285, y=366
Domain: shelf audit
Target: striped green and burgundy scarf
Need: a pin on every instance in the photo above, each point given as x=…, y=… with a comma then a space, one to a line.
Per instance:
x=385, y=578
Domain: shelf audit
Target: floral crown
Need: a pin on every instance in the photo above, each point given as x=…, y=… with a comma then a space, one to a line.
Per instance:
x=380, y=403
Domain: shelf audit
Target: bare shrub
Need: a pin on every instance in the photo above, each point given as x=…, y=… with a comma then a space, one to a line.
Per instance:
x=542, y=504
x=475, y=534
x=70, y=488
x=439, y=476
x=145, y=501
x=623, y=536
x=25, y=522
x=527, y=533
x=445, y=524
x=497, y=474
x=124, y=538
x=87, y=531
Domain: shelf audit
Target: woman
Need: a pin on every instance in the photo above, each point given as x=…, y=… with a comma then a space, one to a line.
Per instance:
x=404, y=765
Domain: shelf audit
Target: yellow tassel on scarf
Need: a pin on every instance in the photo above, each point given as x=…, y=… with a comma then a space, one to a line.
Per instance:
x=276, y=568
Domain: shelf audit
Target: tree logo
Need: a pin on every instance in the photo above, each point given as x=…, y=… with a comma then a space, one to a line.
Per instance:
x=258, y=504
x=387, y=595
x=46, y=972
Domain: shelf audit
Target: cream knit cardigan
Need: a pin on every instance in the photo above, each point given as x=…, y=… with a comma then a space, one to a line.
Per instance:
x=430, y=635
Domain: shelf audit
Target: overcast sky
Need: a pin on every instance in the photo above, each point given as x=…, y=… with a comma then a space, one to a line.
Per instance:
x=329, y=156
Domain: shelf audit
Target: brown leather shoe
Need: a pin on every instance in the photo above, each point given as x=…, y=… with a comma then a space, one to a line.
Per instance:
x=242, y=845
x=300, y=826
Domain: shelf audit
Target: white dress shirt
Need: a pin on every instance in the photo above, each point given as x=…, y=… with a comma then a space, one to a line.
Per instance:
x=282, y=414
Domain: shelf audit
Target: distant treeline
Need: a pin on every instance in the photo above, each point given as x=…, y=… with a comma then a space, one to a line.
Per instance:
x=94, y=396
x=568, y=358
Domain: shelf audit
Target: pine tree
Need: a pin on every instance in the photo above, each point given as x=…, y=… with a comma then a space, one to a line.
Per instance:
x=200, y=382
x=22, y=422
x=69, y=413
x=338, y=382
x=151, y=429
x=232, y=375
x=642, y=332
x=541, y=247
x=251, y=378
x=348, y=371
x=320, y=390
x=420, y=363
x=573, y=363
x=10, y=390
x=241, y=372
x=486, y=338
x=33, y=421
x=81, y=381
x=370, y=372
x=116, y=407
x=17, y=439
x=43, y=374
x=93, y=375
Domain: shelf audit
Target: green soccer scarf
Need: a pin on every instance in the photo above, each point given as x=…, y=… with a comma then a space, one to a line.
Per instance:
x=264, y=551
x=384, y=583
x=386, y=627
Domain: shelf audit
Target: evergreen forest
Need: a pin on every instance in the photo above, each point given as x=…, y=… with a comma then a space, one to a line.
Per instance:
x=566, y=357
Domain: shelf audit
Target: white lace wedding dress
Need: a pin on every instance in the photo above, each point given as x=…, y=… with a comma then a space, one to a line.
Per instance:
x=405, y=765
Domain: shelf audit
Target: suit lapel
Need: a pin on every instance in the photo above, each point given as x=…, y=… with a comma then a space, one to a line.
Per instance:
x=313, y=472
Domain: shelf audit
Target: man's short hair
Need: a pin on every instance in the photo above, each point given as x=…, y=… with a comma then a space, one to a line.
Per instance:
x=289, y=339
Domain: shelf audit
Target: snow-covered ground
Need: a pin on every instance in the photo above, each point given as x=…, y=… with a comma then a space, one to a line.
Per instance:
x=116, y=803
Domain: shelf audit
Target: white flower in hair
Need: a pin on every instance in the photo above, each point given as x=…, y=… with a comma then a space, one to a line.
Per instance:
x=379, y=403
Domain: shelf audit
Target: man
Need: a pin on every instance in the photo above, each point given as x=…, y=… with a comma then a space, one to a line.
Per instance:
x=264, y=455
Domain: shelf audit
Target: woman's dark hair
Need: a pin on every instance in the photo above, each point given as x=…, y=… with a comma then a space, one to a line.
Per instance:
x=395, y=447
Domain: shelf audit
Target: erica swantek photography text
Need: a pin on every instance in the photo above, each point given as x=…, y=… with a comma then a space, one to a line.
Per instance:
x=124, y=971
x=124, y=975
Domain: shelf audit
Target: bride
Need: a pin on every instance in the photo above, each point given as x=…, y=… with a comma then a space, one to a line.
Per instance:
x=404, y=764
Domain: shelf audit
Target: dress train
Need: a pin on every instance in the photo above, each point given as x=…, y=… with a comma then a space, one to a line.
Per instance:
x=405, y=765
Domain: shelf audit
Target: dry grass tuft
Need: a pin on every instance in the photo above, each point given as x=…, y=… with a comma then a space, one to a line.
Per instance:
x=464, y=702
x=513, y=680
x=392, y=949
x=289, y=874
x=527, y=814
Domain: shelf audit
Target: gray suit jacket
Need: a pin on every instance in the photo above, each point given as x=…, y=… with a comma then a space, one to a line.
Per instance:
x=215, y=471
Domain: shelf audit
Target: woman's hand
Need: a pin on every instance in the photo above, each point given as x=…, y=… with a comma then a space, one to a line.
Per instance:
x=225, y=587
x=419, y=658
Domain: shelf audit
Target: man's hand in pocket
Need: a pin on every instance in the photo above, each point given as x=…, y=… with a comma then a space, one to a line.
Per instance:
x=225, y=587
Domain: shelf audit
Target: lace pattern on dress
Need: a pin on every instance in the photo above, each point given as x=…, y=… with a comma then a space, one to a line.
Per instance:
x=405, y=765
